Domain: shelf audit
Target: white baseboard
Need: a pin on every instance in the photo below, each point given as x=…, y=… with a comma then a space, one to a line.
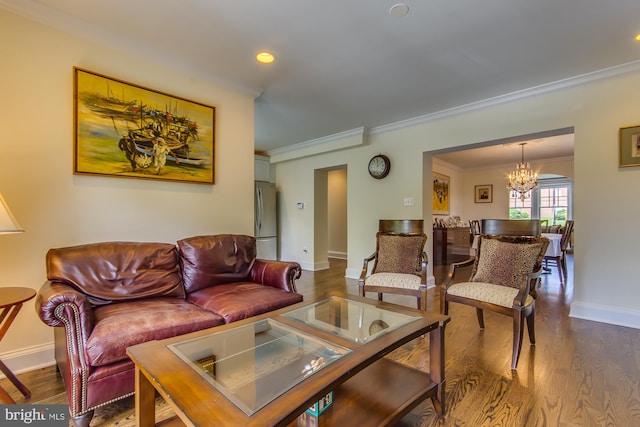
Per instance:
x=324, y=265
x=352, y=273
x=29, y=359
x=605, y=314
x=336, y=254
x=431, y=282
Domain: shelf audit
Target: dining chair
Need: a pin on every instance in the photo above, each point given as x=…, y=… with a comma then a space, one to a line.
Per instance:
x=502, y=270
x=511, y=227
x=399, y=266
x=560, y=260
x=544, y=225
x=474, y=229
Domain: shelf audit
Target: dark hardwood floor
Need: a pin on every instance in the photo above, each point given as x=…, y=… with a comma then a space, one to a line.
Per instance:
x=579, y=373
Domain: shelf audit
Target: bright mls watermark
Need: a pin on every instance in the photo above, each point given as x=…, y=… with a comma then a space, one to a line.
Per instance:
x=34, y=415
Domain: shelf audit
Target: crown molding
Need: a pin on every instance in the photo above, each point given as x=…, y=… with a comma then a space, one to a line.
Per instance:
x=337, y=141
x=603, y=74
x=301, y=149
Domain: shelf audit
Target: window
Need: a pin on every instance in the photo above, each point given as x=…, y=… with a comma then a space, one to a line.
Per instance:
x=554, y=204
x=519, y=209
x=550, y=201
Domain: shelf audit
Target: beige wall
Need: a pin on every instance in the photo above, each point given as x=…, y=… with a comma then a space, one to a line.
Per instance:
x=606, y=198
x=58, y=208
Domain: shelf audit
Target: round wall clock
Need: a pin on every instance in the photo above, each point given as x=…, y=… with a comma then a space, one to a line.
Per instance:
x=379, y=166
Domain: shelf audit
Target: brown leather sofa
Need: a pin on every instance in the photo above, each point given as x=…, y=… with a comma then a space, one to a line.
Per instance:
x=104, y=297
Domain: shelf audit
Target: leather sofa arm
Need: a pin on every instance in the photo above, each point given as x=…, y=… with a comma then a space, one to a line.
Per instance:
x=58, y=304
x=70, y=311
x=278, y=274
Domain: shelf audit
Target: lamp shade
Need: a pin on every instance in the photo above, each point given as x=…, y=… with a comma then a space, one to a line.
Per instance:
x=8, y=223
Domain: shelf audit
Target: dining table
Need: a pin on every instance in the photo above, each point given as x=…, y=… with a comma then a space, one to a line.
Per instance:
x=553, y=250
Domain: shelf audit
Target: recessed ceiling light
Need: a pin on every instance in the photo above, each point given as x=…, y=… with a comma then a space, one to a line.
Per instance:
x=638, y=38
x=265, y=57
x=399, y=10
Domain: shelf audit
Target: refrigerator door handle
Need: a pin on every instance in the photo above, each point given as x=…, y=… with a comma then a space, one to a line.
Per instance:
x=259, y=210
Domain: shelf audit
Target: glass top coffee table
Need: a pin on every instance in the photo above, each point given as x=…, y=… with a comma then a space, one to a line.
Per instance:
x=269, y=369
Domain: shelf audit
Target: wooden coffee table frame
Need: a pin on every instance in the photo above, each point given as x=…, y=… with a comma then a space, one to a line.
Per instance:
x=382, y=392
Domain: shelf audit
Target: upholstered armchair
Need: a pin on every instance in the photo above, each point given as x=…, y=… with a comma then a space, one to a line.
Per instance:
x=399, y=266
x=502, y=270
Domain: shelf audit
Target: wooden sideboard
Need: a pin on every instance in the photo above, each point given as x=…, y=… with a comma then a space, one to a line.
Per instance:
x=451, y=245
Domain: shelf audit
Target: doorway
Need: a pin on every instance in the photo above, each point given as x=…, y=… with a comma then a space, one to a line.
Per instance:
x=486, y=164
x=330, y=215
x=337, y=213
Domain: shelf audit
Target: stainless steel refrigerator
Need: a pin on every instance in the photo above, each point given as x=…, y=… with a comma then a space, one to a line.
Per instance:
x=265, y=220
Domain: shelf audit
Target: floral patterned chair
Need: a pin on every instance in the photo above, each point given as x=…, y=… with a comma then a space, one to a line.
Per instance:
x=399, y=266
x=502, y=270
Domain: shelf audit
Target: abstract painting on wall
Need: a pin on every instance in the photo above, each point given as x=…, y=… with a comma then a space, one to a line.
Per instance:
x=440, y=194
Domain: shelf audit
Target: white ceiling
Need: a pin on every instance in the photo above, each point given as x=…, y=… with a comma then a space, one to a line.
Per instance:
x=347, y=64
x=494, y=153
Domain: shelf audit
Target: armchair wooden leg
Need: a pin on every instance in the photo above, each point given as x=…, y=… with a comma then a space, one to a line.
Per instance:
x=518, y=332
x=480, y=315
x=422, y=300
x=531, y=327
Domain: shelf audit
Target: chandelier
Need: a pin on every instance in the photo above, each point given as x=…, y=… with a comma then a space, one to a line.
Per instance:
x=522, y=180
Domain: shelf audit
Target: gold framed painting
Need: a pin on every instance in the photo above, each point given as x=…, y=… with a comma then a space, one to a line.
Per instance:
x=629, y=146
x=484, y=193
x=440, y=194
x=129, y=131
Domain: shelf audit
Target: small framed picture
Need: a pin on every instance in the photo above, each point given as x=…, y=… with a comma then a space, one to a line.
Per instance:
x=484, y=193
x=630, y=146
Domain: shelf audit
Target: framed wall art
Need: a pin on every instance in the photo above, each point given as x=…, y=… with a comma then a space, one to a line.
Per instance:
x=126, y=130
x=629, y=146
x=484, y=193
x=440, y=194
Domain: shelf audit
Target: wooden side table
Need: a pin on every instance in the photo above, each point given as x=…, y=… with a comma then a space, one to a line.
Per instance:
x=11, y=300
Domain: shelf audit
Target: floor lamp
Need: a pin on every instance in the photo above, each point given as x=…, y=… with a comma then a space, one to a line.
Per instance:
x=11, y=300
x=8, y=223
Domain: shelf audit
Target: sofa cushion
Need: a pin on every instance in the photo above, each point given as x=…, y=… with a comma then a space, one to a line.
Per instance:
x=120, y=325
x=238, y=301
x=214, y=260
x=118, y=271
